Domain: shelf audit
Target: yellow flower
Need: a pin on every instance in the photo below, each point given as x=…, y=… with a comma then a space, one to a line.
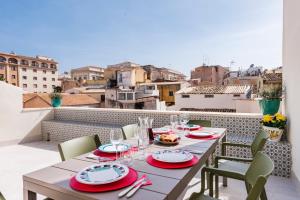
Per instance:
x=267, y=118
x=280, y=117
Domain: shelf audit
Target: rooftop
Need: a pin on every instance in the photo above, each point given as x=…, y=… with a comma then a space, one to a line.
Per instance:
x=211, y=89
x=42, y=100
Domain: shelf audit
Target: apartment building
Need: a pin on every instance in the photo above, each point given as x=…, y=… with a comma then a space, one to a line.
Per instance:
x=156, y=74
x=215, y=98
x=33, y=74
x=124, y=75
x=83, y=74
x=208, y=75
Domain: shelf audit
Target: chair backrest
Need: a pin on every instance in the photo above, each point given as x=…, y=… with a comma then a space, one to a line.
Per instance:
x=129, y=130
x=257, y=174
x=259, y=142
x=78, y=146
x=204, y=123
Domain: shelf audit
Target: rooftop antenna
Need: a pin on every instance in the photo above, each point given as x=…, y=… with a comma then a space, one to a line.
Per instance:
x=232, y=62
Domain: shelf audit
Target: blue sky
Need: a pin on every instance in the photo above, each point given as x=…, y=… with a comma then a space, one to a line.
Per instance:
x=172, y=33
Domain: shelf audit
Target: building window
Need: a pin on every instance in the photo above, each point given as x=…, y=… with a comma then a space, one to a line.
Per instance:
x=14, y=84
x=34, y=70
x=34, y=85
x=24, y=85
x=24, y=62
x=2, y=76
x=53, y=79
x=53, y=86
x=34, y=78
x=102, y=98
x=44, y=79
x=209, y=96
x=24, y=77
x=171, y=93
x=236, y=95
x=2, y=59
x=2, y=67
x=13, y=68
x=121, y=96
x=24, y=69
x=53, y=72
x=13, y=61
x=13, y=76
x=44, y=71
x=129, y=96
x=44, y=86
x=185, y=96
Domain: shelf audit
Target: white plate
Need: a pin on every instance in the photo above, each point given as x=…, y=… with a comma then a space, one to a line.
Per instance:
x=172, y=156
x=102, y=174
x=201, y=133
x=161, y=130
x=109, y=148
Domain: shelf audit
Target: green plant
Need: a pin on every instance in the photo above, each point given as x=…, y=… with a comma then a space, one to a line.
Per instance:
x=276, y=121
x=2, y=78
x=271, y=93
x=55, y=95
x=57, y=89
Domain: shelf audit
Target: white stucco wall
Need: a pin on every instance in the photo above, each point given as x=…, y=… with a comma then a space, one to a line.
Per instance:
x=220, y=101
x=291, y=73
x=16, y=124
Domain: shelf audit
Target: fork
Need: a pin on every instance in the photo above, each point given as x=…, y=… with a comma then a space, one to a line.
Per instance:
x=134, y=190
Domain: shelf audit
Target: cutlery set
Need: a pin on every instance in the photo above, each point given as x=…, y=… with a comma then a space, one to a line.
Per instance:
x=131, y=190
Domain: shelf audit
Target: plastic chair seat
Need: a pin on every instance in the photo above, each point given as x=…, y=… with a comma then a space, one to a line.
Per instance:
x=198, y=196
x=233, y=166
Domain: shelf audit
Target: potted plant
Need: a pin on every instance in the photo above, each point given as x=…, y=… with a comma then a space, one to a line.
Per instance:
x=274, y=126
x=270, y=100
x=56, y=97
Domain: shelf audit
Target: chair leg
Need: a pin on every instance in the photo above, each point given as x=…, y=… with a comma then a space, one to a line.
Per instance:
x=263, y=195
x=247, y=187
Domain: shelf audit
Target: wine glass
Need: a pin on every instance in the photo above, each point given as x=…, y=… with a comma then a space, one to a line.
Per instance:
x=116, y=138
x=173, y=122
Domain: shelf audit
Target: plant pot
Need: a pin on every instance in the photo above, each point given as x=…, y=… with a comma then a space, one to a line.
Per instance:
x=269, y=106
x=56, y=102
x=274, y=133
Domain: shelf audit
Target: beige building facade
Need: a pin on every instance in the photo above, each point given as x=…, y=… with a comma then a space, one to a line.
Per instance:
x=87, y=73
x=33, y=74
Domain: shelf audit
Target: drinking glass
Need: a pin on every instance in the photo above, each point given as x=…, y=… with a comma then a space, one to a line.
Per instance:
x=173, y=122
x=126, y=157
x=116, y=137
x=184, y=119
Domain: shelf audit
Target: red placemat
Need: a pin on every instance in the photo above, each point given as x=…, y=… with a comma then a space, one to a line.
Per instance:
x=126, y=181
x=212, y=137
x=150, y=160
x=112, y=156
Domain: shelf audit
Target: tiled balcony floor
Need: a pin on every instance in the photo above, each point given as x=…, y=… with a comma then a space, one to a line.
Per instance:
x=17, y=160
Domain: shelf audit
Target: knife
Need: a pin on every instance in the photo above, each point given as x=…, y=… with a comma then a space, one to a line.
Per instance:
x=124, y=192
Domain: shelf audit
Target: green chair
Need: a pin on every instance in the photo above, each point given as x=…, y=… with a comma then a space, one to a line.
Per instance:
x=129, y=131
x=1, y=196
x=78, y=146
x=238, y=165
x=204, y=123
x=255, y=178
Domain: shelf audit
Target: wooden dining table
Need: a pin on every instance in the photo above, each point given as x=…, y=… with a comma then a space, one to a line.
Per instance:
x=53, y=181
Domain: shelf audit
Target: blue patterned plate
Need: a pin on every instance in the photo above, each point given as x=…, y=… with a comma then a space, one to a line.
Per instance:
x=109, y=148
x=102, y=174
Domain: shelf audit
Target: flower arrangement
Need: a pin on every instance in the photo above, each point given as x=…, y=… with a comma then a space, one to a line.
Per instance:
x=276, y=121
